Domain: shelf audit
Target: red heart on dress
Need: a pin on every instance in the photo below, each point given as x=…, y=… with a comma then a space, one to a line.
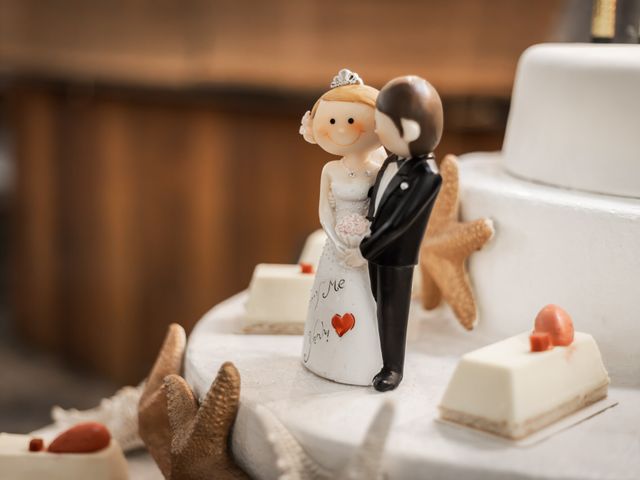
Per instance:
x=343, y=323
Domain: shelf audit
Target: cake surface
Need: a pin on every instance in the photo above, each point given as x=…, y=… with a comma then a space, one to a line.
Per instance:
x=18, y=463
x=329, y=419
x=506, y=389
x=278, y=299
x=573, y=121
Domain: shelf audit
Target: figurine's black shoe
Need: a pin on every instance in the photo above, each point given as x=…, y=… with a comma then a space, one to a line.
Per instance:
x=386, y=380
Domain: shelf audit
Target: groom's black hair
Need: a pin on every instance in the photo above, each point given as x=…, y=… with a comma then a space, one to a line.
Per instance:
x=413, y=98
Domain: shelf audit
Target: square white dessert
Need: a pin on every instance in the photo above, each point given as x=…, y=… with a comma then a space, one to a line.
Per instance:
x=507, y=389
x=278, y=299
x=18, y=463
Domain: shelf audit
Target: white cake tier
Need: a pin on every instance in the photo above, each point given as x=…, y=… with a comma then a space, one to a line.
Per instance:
x=18, y=463
x=574, y=249
x=507, y=389
x=330, y=419
x=574, y=118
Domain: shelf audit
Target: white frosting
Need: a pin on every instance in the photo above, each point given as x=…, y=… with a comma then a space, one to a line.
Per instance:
x=577, y=250
x=18, y=463
x=278, y=294
x=506, y=382
x=574, y=118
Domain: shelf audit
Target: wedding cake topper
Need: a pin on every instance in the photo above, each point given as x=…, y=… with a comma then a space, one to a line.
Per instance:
x=375, y=219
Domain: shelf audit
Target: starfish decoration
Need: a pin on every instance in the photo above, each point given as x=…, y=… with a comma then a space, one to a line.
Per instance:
x=153, y=419
x=200, y=434
x=446, y=246
x=295, y=464
x=188, y=441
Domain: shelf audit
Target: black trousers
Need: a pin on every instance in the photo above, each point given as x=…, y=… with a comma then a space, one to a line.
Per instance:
x=391, y=288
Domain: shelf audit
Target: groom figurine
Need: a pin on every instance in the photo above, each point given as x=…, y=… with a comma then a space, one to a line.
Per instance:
x=408, y=120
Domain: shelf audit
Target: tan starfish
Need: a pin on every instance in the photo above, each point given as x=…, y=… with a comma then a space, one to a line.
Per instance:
x=153, y=420
x=200, y=434
x=446, y=246
x=187, y=441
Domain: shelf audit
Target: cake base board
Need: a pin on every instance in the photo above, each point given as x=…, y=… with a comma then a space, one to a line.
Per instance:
x=330, y=420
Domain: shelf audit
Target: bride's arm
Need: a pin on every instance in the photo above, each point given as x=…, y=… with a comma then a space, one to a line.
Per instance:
x=325, y=211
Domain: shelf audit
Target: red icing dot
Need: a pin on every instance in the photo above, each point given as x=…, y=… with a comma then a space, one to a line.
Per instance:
x=540, y=342
x=306, y=268
x=36, y=445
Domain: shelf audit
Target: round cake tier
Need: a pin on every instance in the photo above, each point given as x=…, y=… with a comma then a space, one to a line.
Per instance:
x=575, y=249
x=574, y=118
x=329, y=419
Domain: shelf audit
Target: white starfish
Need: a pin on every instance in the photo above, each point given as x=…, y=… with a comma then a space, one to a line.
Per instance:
x=295, y=464
x=118, y=413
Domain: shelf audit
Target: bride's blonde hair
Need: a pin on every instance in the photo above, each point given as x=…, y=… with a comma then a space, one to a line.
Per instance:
x=349, y=93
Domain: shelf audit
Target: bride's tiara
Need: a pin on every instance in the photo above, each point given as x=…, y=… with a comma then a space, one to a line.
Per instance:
x=346, y=77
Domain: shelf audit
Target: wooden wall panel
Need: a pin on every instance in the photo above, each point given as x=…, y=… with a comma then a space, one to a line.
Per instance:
x=35, y=211
x=462, y=46
x=118, y=254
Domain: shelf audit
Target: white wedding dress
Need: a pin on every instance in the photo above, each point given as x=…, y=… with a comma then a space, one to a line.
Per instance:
x=341, y=340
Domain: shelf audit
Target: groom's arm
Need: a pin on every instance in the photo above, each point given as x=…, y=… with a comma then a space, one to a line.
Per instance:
x=404, y=216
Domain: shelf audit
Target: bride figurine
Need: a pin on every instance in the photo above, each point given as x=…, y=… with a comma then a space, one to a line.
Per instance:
x=341, y=340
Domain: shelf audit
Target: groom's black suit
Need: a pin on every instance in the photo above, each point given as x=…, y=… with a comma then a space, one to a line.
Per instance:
x=392, y=249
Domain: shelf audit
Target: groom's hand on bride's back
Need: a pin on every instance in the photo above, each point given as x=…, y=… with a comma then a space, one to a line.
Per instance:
x=364, y=246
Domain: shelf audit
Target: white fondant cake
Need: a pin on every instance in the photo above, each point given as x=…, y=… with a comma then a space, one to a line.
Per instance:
x=18, y=463
x=574, y=118
x=552, y=245
x=278, y=299
x=560, y=245
x=507, y=389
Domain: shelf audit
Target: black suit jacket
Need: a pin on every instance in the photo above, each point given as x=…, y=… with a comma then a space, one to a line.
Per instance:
x=397, y=228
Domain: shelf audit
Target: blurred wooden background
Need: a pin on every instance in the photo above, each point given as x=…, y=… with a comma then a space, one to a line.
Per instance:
x=157, y=153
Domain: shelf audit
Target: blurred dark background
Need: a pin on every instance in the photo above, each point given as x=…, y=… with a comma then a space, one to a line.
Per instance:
x=149, y=155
